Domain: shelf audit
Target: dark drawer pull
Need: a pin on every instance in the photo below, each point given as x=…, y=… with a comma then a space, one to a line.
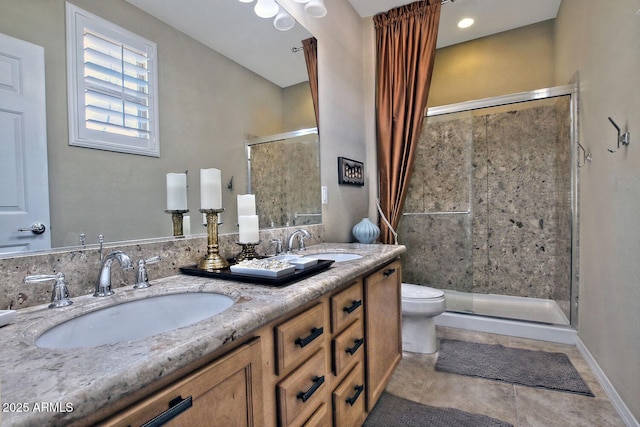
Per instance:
x=389, y=272
x=356, y=346
x=352, y=400
x=315, y=333
x=306, y=395
x=353, y=306
x=176, y=407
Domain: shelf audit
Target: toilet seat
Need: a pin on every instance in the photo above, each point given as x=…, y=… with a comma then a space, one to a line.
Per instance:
x=411, y=292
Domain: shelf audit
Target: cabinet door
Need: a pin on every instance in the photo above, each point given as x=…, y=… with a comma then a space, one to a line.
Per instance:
x=228, y=392
x=383, y=337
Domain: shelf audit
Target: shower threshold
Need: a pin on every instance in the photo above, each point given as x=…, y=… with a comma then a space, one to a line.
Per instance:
x=506, y=307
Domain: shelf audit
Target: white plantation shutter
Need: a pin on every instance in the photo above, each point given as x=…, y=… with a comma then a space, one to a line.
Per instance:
x=112, y=86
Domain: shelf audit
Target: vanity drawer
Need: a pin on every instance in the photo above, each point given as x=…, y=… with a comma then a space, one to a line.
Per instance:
x=348, y=347
x=346, y=306
x=302, y=392
x=320, y=418
x=348, y=399
x=299, y=337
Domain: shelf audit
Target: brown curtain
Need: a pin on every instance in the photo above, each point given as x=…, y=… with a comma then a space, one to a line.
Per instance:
x=406, y=45
x=310, y=47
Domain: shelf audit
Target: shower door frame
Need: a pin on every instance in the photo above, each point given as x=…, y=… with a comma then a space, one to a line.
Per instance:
x=570, y=90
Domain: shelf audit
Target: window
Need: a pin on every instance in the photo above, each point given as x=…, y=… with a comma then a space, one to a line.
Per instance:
x=112, y=86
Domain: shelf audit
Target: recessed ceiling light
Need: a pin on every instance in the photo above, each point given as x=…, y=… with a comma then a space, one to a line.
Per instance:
x=465, y=23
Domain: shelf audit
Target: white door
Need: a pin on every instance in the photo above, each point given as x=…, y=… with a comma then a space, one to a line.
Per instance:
x=24, y=187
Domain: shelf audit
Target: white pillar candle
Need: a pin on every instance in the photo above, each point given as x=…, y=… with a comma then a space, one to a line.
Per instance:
x=176, y=191
x=246, y=204
x=186, y=225
x=248, y=229
x=210, y=189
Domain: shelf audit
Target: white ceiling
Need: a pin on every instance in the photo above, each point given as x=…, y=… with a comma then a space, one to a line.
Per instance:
x=232, y=29
x=491, y=16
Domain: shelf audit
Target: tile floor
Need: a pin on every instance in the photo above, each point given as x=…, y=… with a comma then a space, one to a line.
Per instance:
x=416, y=379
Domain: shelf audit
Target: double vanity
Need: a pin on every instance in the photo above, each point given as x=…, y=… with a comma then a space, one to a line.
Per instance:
x=212, y=352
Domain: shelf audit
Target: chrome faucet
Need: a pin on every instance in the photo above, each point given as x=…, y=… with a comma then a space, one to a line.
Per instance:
x=103, y=284
x=304, y=234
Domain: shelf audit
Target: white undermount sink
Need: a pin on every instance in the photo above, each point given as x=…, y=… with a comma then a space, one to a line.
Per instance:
x=335, y=256
x=134, y=320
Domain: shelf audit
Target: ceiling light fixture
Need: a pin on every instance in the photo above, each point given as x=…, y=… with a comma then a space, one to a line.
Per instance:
x=465, y=23
x=283, y=21
x=315, y=8
x=266, y=8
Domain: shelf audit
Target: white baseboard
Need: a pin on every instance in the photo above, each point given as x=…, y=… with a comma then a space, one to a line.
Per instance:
x=612, y=394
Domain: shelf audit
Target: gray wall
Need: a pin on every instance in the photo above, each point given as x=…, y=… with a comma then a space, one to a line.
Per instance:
x=599, y=40
x=344, y=115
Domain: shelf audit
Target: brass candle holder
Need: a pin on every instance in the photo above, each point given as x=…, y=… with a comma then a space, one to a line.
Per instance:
x=176, y=218
x=248, y=251
x=213, y=260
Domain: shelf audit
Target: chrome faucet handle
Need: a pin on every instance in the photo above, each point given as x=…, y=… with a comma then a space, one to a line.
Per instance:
x=278, y=243
x=142, y=278
x=301, y=245
x=60, y=291
x=100, y=253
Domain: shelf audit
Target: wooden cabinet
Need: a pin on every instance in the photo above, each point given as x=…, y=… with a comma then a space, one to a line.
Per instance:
x=228, y=392
x=347, y=345
x=325, y=363
x=383, y=334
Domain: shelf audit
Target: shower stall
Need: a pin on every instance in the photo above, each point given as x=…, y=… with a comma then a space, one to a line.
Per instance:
x=491, y=210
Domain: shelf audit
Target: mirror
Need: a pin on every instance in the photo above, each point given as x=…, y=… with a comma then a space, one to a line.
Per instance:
x=287, y=163
x=209, y=103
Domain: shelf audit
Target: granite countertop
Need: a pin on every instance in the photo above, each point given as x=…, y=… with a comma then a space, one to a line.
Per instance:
x=76, y=382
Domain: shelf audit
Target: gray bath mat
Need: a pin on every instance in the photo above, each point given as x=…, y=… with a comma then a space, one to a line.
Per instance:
x=394, y=411
x=540, y=369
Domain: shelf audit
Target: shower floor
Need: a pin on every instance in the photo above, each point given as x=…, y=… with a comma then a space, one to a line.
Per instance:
x=507, y=307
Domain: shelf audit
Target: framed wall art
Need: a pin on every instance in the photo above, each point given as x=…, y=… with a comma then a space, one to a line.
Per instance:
x=350, y=172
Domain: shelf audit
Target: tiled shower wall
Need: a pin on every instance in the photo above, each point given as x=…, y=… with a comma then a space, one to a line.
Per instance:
x=285, y=177
x=488, y=208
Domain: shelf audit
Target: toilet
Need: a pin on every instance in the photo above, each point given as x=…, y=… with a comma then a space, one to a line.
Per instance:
x=420, y=304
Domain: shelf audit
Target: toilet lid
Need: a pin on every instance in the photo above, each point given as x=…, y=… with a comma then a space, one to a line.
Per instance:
x=410, y=291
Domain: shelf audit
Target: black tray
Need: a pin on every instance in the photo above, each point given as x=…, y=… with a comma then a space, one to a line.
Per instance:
x=227, y=274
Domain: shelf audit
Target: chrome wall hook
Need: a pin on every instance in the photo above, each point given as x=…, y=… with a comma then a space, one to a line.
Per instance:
x=622, y=139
